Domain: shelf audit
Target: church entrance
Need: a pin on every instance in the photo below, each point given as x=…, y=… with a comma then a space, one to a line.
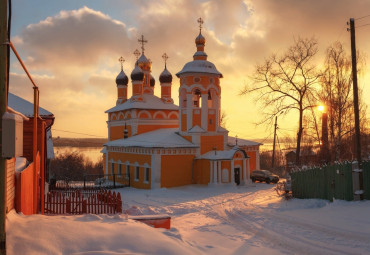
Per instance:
x=237, y=175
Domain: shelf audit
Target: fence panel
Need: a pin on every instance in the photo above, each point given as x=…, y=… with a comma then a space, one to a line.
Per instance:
x=366, y=178
x=328, y=182
x=83, y=201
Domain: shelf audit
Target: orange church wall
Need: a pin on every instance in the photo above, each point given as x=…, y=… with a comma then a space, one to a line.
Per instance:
x=208, y=143
x=189, y=138
x=226, y=164
x=141, y=159
x=183, y=122
x=166, y=91
x=212, y=122
x=197, y=117
x=116, y=132
x=132, y=158
x=201, y=171
x=121, y=92
x=140, y=184
x=176, y=170
x=252, y=159
x=147, y=128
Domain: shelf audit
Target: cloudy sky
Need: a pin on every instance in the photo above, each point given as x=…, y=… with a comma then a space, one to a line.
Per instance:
x=71, y=48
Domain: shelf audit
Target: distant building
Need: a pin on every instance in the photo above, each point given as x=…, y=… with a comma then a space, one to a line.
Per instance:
x=156, y=143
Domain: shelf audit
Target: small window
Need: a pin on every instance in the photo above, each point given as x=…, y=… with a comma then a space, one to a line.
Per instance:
x=127, y=171
x=119, y=169
x=146, y=179
x=210, y=121
x=112, y=168
x=196, y=79
x=137, y=172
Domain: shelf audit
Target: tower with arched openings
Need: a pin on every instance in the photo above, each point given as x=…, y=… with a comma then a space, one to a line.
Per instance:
x=155, y=143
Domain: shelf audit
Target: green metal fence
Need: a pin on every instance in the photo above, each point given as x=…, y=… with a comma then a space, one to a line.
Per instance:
x=366, y=179
x=329, y=182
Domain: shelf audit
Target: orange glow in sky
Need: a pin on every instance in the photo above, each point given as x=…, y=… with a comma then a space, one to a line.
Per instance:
x=71, y=49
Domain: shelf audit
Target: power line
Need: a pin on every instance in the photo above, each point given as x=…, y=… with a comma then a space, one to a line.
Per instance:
x=363, y=17
x=66, y=131
x=363, y=25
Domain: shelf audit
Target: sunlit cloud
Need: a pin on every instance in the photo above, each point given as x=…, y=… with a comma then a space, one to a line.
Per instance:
x=73, y=55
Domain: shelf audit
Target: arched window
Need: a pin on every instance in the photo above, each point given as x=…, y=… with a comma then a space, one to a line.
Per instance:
x=210, y=101
x=183, y=98
x=197, y=98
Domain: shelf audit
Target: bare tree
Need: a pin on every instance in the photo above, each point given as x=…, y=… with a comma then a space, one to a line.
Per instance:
x=336, y=94
x=285, y=83
x=223, y=119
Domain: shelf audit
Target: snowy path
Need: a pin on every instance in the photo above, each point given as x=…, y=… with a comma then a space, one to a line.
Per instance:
x=205, y=220
x=256, y=217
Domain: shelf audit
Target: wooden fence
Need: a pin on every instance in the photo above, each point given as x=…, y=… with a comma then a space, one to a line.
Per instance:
x=83, y=201
x=329, y=182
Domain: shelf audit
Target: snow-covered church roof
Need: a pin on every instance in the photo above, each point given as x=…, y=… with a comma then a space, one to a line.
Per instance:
x=221, y=155
x=149, y=102
x=199, y=66
x=231, y=141
x=26, y=108
x=161, y=138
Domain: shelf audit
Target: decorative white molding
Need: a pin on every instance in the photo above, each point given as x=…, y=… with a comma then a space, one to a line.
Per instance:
x=151, y=151
x=156, y=114
x=173, y=113
x=141, y=112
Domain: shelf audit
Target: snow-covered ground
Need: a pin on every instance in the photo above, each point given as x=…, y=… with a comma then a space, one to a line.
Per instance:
x=205, y=220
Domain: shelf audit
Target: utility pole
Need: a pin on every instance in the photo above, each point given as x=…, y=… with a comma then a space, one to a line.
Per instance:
x=273, y=146
x=356, y=108
x=3, y=106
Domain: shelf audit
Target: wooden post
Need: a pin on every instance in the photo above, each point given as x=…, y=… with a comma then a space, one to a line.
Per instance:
x=3, y=107
x=356, y=107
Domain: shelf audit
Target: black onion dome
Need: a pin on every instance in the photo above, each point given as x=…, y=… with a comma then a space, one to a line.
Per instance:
x=152, y=81
x=137, y=74
x=200, y=40
x=165, y=77
x=122, y=79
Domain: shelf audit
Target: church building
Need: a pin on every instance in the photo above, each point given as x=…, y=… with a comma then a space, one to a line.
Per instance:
x=155, y=143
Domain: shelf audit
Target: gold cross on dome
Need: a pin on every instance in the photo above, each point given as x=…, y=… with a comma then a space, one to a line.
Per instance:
x=142, y=41
x=121, y=60
x=165, y=57
x=137, y=54
x=200, y=21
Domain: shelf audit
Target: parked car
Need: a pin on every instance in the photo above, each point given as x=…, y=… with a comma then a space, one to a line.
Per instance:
x=264, y=176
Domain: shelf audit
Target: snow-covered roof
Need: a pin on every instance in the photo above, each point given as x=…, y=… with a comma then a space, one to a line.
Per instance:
x=161, y=138
x=241, y=142
x=149, y=102
x=20, y=164
x=221, y=129
x=196, y=129
x=199, y=66
x=11, y=110
x=26, y=108
x=219, y=155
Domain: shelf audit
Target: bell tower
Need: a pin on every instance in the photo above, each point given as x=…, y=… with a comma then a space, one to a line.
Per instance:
x=200, y=99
